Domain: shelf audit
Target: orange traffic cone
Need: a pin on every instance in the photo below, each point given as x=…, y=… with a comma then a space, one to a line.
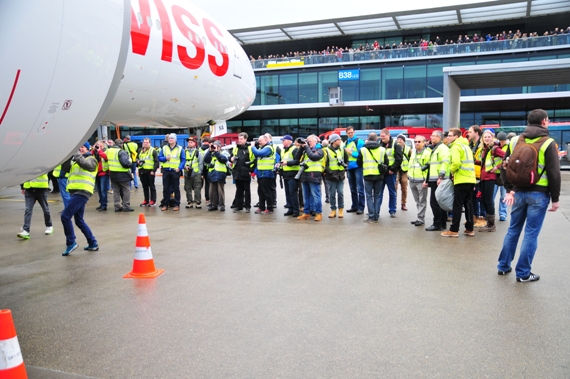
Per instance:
x=11, y=361
x=143, y=265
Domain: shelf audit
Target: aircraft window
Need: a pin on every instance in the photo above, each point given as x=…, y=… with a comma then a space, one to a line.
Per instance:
x=149, y=21
x=158, y=26
x=139, y=18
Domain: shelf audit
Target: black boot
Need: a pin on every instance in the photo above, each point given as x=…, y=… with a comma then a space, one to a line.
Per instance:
x=490, y=227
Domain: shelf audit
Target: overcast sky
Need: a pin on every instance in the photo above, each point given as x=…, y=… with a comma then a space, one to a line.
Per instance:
x=249, y=13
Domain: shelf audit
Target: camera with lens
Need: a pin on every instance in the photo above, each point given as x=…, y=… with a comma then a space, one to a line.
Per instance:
x=140, y=163
x=302, y=167
x=301, y=141
x=341, y=163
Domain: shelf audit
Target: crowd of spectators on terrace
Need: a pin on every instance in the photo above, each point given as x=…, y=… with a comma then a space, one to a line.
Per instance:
x=463, y=44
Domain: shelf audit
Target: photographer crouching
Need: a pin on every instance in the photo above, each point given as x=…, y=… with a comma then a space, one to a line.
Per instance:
x=311, y=174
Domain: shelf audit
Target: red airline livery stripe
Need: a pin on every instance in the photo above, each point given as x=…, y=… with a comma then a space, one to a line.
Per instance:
x=10, y=98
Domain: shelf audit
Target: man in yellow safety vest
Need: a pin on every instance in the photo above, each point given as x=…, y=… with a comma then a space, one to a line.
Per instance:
x=36, y=190
x=80, y=185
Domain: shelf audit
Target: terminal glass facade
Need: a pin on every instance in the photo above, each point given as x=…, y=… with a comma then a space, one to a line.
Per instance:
x=386, y=81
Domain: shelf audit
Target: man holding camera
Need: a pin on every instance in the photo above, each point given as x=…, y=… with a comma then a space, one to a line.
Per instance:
x=243, y=162
x=335, y=172
x=217, y=172
x=80, y=185
x=312, y=167
x=417, y=176
x=265, y=154
x=193, y=174
x=120, y=173
x=173, y=157
x=102, y=179
x=148, y=165
x=290, y=167
x=371, y=157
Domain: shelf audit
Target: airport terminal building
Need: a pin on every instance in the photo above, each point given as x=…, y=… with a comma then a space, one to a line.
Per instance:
x=398, y=79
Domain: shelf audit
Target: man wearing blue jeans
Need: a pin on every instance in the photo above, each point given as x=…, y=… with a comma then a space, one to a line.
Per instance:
x=312, y=160
x=504, y=143
x=529, y=203
x=335, y=167
x=355, y=180
x=395, y=155
x=80, y=184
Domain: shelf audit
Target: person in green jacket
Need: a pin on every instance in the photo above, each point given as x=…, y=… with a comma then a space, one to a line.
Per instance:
x=462, y=168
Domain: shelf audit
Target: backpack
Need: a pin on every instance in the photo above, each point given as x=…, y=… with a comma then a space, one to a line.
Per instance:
x=521, y=167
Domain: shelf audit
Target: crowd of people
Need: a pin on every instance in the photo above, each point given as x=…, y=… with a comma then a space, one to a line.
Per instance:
x=474, y=164
x=462, y=44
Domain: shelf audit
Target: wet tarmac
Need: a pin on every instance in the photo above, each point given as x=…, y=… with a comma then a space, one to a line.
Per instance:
x=267, y=296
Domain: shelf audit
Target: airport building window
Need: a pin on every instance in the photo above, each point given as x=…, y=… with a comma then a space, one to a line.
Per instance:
x=392, y=83
x=270, y=126
x=257, y=100
x=513, y=118
x=327, y=79
x=288, y=126
x=344, y=122
x=350, y=90
x=308, y=88
x=370, y=122
x=435, y=80
x=307, y=126
x=326, y=124
x=415, y=82
x=370, y=83
x=288, y=89
x=269, y=90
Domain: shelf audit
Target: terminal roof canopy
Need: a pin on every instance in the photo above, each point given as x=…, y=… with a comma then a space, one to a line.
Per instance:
x=394, y=21
x=503, y=75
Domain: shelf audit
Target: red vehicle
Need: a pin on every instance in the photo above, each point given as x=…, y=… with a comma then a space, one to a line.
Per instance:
x=225, y=139
x=326, y=135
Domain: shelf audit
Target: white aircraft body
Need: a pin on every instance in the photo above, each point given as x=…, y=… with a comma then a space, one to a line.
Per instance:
x=69, y=66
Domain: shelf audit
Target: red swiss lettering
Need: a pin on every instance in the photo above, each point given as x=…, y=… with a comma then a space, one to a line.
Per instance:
x=185, y=59
x=166, y=32
x=221, y=70
x=140, y=34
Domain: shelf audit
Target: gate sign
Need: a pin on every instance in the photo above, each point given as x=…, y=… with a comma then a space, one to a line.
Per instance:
x=349, y=74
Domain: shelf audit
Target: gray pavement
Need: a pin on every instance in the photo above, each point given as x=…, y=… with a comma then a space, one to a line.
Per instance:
x=251, y=296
